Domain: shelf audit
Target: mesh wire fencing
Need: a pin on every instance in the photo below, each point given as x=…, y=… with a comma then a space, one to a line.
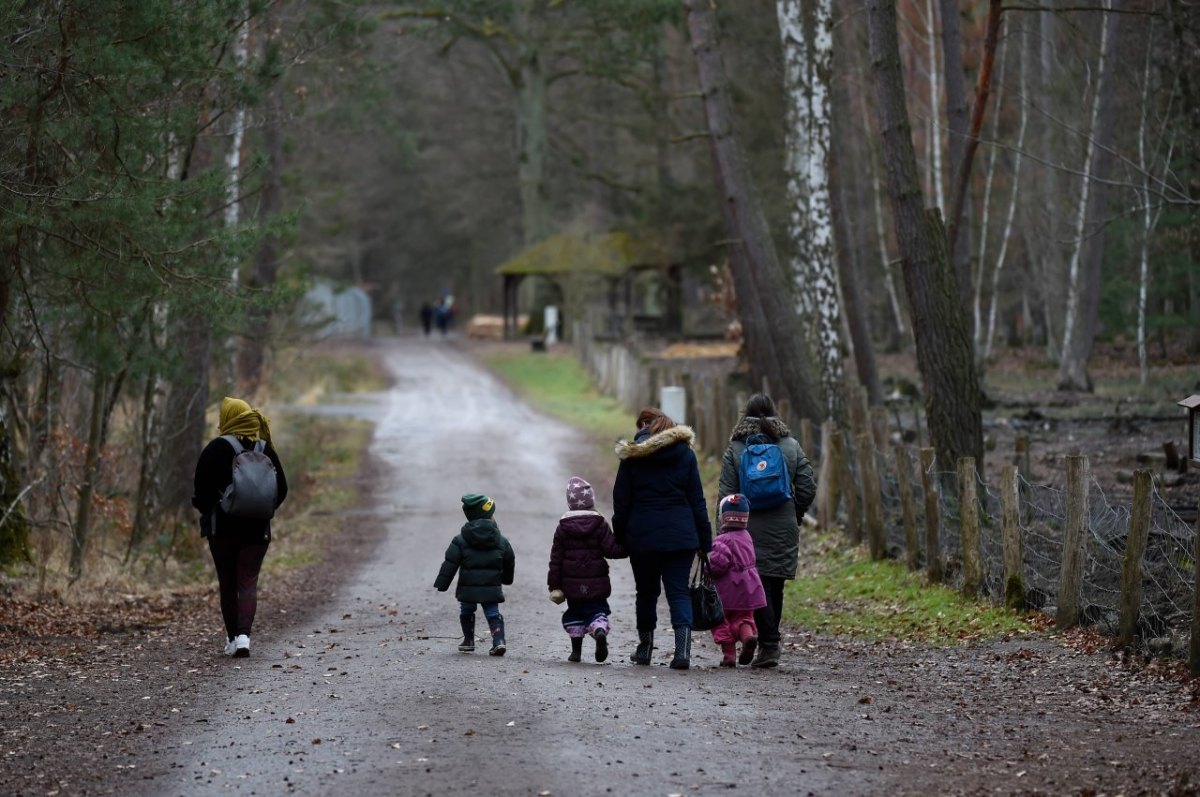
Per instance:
x=1168, y=580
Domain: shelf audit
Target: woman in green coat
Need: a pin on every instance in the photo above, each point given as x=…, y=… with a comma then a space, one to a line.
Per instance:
x=775, y=530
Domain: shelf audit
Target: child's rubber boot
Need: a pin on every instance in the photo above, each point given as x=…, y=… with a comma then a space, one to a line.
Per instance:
x=728, y=654
x=576, y=649
x=682, y=659
x=601, y=644
x=497, y=628
x=468, y=628
x=749, y=645
x=645, y=648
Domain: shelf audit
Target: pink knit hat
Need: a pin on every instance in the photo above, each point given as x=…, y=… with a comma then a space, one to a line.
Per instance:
x=580, y=494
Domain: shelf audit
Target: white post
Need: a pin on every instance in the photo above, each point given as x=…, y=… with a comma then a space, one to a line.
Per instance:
x=673, y=402
x=550, y=324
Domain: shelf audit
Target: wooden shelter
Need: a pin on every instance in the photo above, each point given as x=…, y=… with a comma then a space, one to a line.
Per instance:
x=616, y=257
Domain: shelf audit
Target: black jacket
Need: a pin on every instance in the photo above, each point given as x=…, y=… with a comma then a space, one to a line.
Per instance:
x=214, y=472
x=776, y=531
x=658, y=500
x=483, y=560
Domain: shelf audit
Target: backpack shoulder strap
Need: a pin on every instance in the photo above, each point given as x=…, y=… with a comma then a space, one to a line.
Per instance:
x=260, y=446
x=233, y=441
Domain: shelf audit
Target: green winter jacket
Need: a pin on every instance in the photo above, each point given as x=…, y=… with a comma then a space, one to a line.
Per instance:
x=483, y=560
x=775, y=531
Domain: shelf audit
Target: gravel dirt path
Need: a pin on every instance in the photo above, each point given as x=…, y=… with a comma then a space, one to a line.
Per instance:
x=359, y=689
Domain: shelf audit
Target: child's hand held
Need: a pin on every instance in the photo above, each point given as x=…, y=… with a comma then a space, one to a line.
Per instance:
x=557, y=596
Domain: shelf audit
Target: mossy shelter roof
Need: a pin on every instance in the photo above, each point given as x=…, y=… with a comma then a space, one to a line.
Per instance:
x=607, y=254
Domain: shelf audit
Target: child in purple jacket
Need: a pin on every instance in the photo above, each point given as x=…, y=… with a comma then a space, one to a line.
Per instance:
x=736, y=577
x=578, y=570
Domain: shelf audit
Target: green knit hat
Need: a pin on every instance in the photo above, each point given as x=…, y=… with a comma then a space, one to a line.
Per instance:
x=478, y=505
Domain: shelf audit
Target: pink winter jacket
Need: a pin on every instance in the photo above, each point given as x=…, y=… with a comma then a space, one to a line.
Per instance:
x=736, y=577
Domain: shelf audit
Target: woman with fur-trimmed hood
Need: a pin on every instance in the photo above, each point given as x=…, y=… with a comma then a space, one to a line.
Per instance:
x=661, y=518
x=775, y=531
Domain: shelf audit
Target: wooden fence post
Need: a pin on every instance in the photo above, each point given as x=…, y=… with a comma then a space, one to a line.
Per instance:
x=1014, y=579
x=1024, y=463
x=846, y=482
x=827, y=478
x=783, y=409
x=1135, y=548
x=1074, y=536
x=860, y=411
x=904, y=481
x=879, y=427
x=806, y=436
x=933, y=518
x=868, y=474
x=968, y=516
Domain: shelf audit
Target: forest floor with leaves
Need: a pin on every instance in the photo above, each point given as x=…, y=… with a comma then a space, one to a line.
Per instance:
x=97, y=697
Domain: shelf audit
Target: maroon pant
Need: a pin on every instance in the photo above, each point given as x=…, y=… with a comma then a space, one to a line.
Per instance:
x=237, y=576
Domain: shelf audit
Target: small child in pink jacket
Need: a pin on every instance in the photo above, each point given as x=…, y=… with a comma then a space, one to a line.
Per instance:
x=736, y=577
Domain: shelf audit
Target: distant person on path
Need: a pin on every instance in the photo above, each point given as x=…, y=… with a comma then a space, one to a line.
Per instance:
x=442, y=316
x=235, y=514
x=427, y=313
x=484, y=561
x=774, y=529
x=660, y=517
x=737, y=581
x=583, y=542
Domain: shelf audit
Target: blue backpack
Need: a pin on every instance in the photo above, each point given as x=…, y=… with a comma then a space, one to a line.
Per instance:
x=763, y=474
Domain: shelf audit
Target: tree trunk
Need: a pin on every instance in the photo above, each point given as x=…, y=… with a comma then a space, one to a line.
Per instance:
x=944, y=354
x=250, y=355
x=237, y=130
x=81, y=528
x=937, y=178
x=532, y=125
x=14, y=523
x=956, y=117
x=781, y=353
x=1087, y=261
x=807, y=56
x=848, y=270
x=144, y=501
x=885, y=260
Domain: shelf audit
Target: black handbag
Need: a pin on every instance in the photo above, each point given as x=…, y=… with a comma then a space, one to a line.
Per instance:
x=707, y=611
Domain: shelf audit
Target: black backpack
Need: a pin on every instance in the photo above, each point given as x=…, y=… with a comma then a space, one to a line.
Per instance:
x=254, y=488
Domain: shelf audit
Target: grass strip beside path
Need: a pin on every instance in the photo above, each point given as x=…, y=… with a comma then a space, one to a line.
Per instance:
x=557, y=384
x=840, y=591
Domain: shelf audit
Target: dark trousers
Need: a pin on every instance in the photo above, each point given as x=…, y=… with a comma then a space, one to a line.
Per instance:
x=655, y=572
x=491, y=611
x=237, y=566
x=767, y=618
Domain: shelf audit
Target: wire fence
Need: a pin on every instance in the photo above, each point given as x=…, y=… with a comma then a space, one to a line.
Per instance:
x=1168, y=581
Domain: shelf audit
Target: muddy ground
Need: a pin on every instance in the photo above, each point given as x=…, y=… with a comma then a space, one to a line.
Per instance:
x=355, y=686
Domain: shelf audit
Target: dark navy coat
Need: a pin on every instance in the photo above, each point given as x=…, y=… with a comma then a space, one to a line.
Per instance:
x=658, y=500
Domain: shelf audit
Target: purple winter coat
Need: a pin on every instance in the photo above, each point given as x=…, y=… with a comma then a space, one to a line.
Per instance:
x=582, y=543
x=732, y=563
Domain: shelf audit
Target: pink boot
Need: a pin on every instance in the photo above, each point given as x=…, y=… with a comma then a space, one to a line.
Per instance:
x=729, y=651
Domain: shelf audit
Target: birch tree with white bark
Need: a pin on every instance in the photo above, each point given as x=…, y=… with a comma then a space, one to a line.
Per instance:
x=807, y=41
x=1084, y=270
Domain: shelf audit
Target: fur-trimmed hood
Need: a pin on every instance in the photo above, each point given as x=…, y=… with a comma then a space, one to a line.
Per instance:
x=655, y=443
x=748, y=426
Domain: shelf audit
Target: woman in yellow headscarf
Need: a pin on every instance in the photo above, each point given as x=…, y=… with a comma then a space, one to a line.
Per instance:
x=235, y=513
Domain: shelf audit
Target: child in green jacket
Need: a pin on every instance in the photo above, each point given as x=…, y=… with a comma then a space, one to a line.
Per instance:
x=484, y=561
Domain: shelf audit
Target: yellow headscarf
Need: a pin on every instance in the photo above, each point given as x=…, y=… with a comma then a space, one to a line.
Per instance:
x=240, y=419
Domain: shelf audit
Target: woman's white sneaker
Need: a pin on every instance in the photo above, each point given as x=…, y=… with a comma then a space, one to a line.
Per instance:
x=241, y=646
x=230, y=647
